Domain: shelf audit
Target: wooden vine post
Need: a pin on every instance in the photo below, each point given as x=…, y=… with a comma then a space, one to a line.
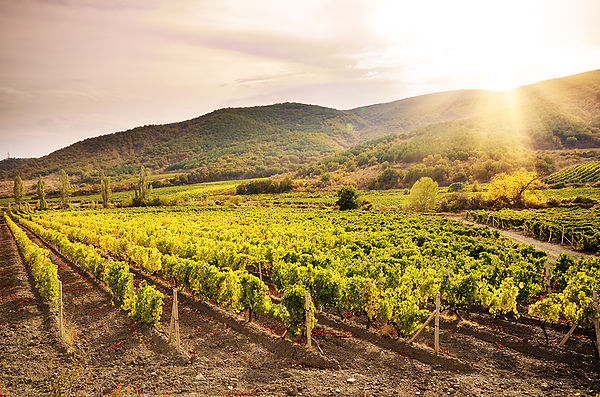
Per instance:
x=572, y=237
x=548, y=277
x=174, y=326
x=562, y=237
x=596, y=321
x=61, y=324
x=567, y=336
x=307, y=307
x=596, y=325
x=260, y=271
x=437, y=324
x=435, y=314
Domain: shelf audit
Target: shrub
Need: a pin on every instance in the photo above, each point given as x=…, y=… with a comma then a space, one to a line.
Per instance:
x=456, y=187
x=347, y=198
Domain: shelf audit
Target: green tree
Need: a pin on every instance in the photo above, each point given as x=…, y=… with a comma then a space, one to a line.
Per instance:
x=347, y=198
x=423, y=195
x=142, y=188
x=64, y=187
x=388, y=179
x=18, y=191
x=105, y=190
x=42, y=205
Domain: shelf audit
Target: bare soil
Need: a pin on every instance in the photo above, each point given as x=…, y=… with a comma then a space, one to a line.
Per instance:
x=105, y=352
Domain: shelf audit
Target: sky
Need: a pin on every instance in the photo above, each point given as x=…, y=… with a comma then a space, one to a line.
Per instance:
x=73, y=69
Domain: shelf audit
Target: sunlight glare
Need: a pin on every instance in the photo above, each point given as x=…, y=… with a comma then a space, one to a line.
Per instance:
x=491, y=45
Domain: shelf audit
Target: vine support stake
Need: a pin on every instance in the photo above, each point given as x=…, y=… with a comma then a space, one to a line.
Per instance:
x=572, y=238
x=416, y=335
x=260, y=271
x=60, y=310
x=567, y=336
x=596, y=321
x=547, y=277
x=307, y=306
x=437, y=324
x=174, y=326
x=562, y=237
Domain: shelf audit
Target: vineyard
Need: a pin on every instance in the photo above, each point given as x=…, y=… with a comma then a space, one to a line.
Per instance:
x=366, y=273
x=386, y=267
x=575, y=226
x=581, y=173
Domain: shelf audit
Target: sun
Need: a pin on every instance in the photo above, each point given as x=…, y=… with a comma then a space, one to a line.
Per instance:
x=486, y=44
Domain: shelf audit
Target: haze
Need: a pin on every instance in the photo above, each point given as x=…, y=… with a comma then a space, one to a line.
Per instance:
x=74, y=69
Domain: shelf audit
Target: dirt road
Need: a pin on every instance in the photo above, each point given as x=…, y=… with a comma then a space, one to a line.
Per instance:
x=553, y=250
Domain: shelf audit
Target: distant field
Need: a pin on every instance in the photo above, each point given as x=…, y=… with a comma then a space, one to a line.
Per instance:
x=210, y=192
x=183, y=193
x=581, y=173
x=571, y=192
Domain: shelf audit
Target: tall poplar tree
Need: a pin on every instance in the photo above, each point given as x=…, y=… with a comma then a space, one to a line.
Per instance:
x=64, y=186
x=18, y=191
x=142, y=188
x=42, y=205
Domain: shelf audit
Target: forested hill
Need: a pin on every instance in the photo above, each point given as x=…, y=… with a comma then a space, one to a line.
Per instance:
x=228, y=142
x=543, y=126
x=264, y=140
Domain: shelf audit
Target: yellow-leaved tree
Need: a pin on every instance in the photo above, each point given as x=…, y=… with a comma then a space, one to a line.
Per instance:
x=515, y=190
x=423, y=195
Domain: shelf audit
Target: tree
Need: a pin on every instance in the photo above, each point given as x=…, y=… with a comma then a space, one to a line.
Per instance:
x=64, y=187
x=18, y=191
x=388, y=179
x=105, y=190
x=544, y=165
x=515, y=190
x=42, y=205
x=423, y=195
x=347, y=198
x=142, y=188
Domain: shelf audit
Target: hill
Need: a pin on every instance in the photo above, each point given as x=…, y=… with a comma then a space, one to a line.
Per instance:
x=228, y=142
x=534, y=126
x=560, y=114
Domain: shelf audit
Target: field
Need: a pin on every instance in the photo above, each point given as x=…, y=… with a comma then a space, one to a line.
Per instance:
x=372, y=278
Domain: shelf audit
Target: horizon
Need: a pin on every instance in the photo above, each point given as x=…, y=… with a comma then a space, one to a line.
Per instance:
x=73, y=70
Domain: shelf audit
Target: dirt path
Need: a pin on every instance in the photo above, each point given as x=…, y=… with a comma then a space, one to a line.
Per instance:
x=481, y=357
x=553, y=250
x=30, y=351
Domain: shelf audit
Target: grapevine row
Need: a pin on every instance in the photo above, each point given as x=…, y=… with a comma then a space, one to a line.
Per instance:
x=145, y=306
x=44, y=271
x=581, y=173
x=578, y=226
x=573, y=281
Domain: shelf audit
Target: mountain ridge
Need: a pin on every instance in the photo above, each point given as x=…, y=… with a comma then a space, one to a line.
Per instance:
x=265, y=140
